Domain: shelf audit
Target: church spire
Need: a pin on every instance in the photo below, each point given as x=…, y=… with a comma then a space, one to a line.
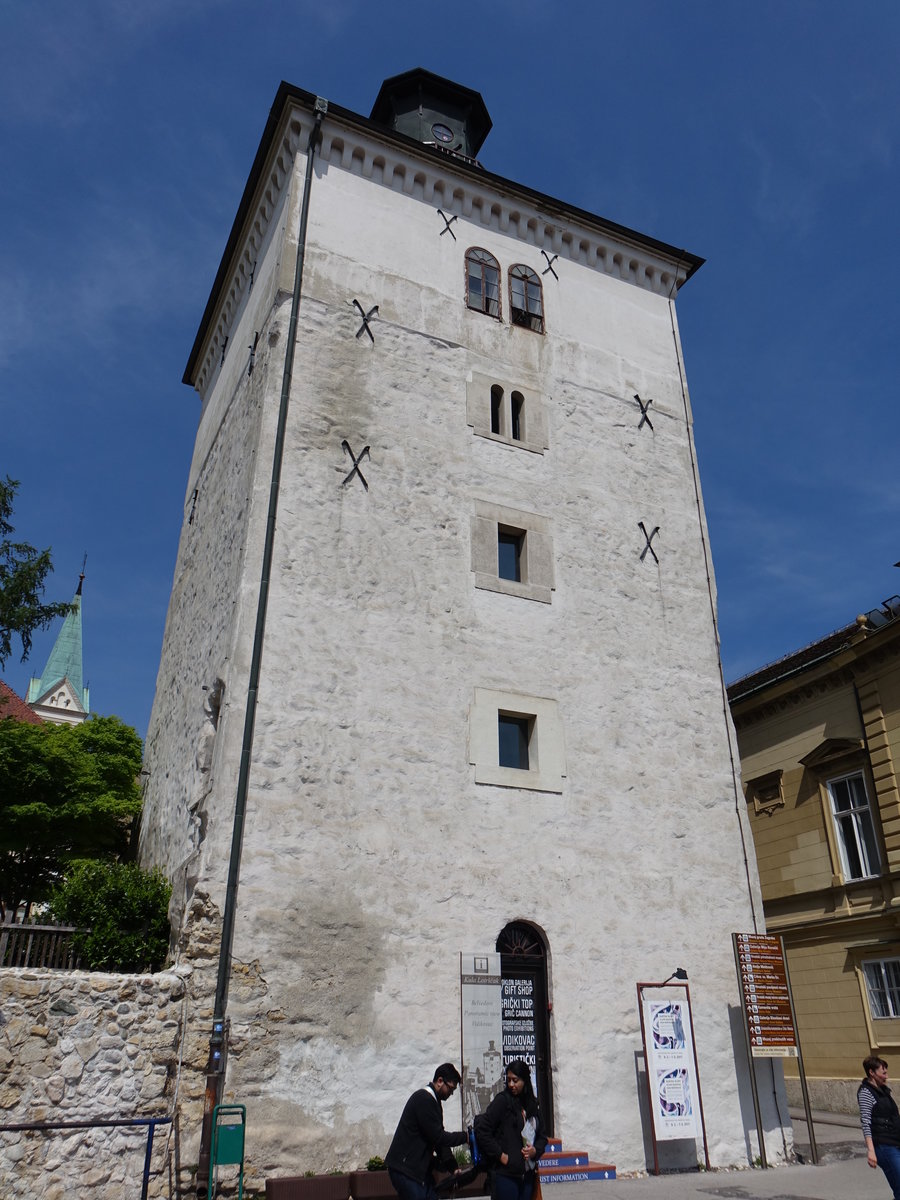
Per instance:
x=58, y=694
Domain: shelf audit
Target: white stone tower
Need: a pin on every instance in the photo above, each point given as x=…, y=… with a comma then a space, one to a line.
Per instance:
x=490, y=714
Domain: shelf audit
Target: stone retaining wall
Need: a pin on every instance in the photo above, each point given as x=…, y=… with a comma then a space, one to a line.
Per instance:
x=77, y=1046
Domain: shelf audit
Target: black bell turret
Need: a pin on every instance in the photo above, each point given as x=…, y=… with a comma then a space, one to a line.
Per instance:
x=433, y=110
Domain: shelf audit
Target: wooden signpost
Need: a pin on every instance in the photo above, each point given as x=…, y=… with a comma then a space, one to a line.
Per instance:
x=770, y=1023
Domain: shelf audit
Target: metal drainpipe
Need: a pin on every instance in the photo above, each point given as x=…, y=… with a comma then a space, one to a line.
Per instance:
x=215, y=1070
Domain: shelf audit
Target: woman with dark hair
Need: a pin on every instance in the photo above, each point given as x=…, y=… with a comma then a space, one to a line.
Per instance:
x=510, y=1137
x=880, y=1121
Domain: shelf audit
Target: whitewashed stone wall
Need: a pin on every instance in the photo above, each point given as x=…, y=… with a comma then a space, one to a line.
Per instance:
x=371, y=856
x=79, y=1046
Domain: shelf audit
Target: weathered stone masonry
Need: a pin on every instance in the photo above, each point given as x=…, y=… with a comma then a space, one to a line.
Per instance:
x=77, y=1046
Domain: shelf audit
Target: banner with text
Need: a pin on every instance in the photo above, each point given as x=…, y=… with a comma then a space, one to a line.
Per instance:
x=519, y=1035
x=482, y=1032
x=671, y=1068
x=765, y=995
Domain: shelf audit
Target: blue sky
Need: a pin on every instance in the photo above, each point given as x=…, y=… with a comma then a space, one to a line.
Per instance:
x=764, y=137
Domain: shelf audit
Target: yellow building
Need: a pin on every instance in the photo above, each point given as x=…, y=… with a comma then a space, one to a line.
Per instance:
x=819, y=737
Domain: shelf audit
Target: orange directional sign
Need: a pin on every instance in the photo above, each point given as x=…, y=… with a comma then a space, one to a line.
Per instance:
x=765, y=995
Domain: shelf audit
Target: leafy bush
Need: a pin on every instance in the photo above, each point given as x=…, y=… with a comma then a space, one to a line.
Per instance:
x=123, y=912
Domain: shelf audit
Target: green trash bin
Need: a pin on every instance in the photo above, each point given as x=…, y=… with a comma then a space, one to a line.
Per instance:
x=229, y=1123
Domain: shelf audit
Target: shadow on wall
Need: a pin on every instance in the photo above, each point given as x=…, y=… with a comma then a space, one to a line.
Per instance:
x=772, y=1097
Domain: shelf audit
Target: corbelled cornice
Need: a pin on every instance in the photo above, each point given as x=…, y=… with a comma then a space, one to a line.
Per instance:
x=851, y=666
x=459, y=188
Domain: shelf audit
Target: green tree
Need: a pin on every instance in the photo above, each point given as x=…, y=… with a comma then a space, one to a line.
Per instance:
x=22, y=573
x=67, y=792
x=122, y=913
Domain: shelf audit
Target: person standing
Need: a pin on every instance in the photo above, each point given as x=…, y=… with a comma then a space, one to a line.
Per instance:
x=880, y=1121
x=420, y=1142
x=510, y=1136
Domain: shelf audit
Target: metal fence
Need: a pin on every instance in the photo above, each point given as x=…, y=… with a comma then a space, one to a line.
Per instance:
x=38, y=946
x=99, y=1123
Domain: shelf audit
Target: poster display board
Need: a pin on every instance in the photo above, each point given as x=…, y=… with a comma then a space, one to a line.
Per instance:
x=483, y=1031
x=765, y=996
x=519, y=1033
x=671, y=1067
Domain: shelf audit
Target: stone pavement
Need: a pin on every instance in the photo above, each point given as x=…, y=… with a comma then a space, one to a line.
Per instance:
x=842, y=1174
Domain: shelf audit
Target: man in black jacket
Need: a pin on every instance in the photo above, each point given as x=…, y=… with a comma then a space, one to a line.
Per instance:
x=420, y=1142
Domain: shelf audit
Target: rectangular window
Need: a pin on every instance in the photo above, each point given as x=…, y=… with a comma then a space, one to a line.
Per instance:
x=513, y=736
x=516, y=741
x=512, y=552
x=854, y=826
x=510, y=545
x=883, y=986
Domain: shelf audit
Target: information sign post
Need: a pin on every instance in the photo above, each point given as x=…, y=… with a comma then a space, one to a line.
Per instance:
x=770, y=1023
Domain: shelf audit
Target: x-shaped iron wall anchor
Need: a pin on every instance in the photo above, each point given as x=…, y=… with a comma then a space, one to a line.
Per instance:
x=366, y=317
x=549, y=266
x=448, y=221
x=648, y=538
x=356, y=461
x=644, y=416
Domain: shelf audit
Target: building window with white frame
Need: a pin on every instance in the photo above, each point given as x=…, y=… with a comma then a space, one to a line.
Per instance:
x=526, y=298
x=854, y=826
x=883, y=986
x=482, y=282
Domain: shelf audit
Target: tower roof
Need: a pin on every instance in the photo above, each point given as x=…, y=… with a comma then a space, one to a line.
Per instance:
x=65, y=662
x=413, y=102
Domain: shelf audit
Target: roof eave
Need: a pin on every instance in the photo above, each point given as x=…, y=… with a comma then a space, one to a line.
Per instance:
x=289, y=93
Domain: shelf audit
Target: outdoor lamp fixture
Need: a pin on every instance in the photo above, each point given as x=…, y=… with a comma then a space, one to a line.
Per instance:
x=679, y=973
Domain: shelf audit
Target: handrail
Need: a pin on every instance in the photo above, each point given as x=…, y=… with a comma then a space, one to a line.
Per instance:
x=150, y=1122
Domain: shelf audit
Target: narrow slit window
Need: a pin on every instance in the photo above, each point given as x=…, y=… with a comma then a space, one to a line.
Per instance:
x=526, y=298
x=513, y=736
x=483, y=282
x=496, y=409
x=517, y=416
x=510, y=546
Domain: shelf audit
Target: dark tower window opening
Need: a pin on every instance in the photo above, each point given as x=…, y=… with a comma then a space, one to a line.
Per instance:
x=496, y=409
x=510, y=548
x=514, y=734
x=517, y=416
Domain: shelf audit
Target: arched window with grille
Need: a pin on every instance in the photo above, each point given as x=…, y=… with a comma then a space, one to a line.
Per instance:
x=526, y=298
x=482, y=282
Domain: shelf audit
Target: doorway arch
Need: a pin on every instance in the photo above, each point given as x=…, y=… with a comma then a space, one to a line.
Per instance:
x=526, y=1011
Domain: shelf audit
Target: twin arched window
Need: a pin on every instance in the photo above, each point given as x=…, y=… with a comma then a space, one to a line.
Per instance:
x=526, y=300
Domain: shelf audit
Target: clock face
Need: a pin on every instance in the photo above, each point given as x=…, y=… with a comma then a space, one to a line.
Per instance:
x=442, y=133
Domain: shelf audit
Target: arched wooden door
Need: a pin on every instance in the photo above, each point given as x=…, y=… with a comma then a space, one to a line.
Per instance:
x=526, y=1017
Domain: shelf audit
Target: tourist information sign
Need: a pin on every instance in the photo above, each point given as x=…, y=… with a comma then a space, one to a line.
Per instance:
x=766, y=996
x=770, y=1024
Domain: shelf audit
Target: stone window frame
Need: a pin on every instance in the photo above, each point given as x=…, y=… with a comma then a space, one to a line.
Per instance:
x=481, y=394
x=546, y=745
x=536, y=556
